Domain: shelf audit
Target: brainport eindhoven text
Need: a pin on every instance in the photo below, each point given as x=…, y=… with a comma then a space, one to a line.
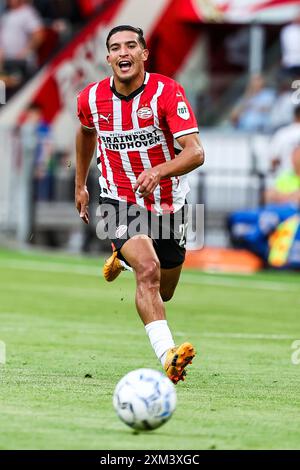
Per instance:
x=132, y=140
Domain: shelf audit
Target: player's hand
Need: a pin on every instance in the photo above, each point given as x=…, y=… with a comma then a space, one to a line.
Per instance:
x=147, y=182
x=82, y=201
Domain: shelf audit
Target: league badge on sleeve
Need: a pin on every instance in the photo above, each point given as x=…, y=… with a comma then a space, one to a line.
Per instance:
x=183, y=110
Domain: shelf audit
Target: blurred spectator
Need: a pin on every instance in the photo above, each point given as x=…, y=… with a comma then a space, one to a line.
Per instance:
x=59, y=15
x=282, y=112
x=287, y=185
x=21, y=34
x=38, y=131
x=58, y=9
x=36, y=138
x=252, y=113
x=11, y=81
x=237, y=47
x=290, y=48
x=283, y=143
x=62, y=18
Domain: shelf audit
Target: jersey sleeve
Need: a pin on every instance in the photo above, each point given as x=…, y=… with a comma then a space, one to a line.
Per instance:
x=178, y=112
x=83, y=109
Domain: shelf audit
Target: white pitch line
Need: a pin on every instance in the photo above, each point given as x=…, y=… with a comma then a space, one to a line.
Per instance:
x=54, y=267
x=251, y=336
x=186, y=278
x=91, y=329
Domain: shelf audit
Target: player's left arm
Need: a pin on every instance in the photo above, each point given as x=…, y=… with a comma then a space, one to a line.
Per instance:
x=190, y=157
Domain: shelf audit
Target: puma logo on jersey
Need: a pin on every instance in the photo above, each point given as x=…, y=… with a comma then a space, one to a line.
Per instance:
x=106, y=118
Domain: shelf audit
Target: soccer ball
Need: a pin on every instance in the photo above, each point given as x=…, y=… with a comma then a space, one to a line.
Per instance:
x=144, y=399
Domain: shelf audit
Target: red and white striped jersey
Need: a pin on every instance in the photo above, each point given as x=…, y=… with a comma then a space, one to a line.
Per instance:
x=135, y=133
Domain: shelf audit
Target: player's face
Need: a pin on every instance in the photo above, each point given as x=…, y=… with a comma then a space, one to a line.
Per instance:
x=126, y=55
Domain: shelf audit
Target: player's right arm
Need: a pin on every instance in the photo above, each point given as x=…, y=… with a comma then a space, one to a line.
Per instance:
x=85, y=147
x=86, y=139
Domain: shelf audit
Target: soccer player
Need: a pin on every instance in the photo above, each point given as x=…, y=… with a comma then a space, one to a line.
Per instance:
x=133, y=117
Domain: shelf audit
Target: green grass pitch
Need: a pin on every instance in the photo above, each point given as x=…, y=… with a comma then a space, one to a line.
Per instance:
x=70, y=337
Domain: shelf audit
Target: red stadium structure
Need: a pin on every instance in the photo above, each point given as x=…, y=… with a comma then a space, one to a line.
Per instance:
x=57, y=83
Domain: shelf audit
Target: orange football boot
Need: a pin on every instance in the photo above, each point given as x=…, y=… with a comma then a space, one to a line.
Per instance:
x=112, y=267
x=177, y=360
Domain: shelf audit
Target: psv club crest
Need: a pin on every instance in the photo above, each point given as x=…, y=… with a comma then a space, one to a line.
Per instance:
x=145, y=112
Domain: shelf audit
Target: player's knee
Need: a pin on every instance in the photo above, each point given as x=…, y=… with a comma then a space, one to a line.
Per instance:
x=148, y=271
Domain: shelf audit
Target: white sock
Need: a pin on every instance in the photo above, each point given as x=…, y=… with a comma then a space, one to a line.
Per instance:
x=125, y=266
x=160, y=338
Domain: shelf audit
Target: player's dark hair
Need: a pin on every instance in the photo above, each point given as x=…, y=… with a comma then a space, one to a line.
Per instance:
x=127, y=27
x=297, y=111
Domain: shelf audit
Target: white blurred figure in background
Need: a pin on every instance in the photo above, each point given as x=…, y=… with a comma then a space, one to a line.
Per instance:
x=282, y=112
x=290, y=48
x=252, y=113
x=283, y=143
x=21, y=34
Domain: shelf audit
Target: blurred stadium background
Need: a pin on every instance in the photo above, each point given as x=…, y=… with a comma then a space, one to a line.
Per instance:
x=50, y=315
x=219, y=46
